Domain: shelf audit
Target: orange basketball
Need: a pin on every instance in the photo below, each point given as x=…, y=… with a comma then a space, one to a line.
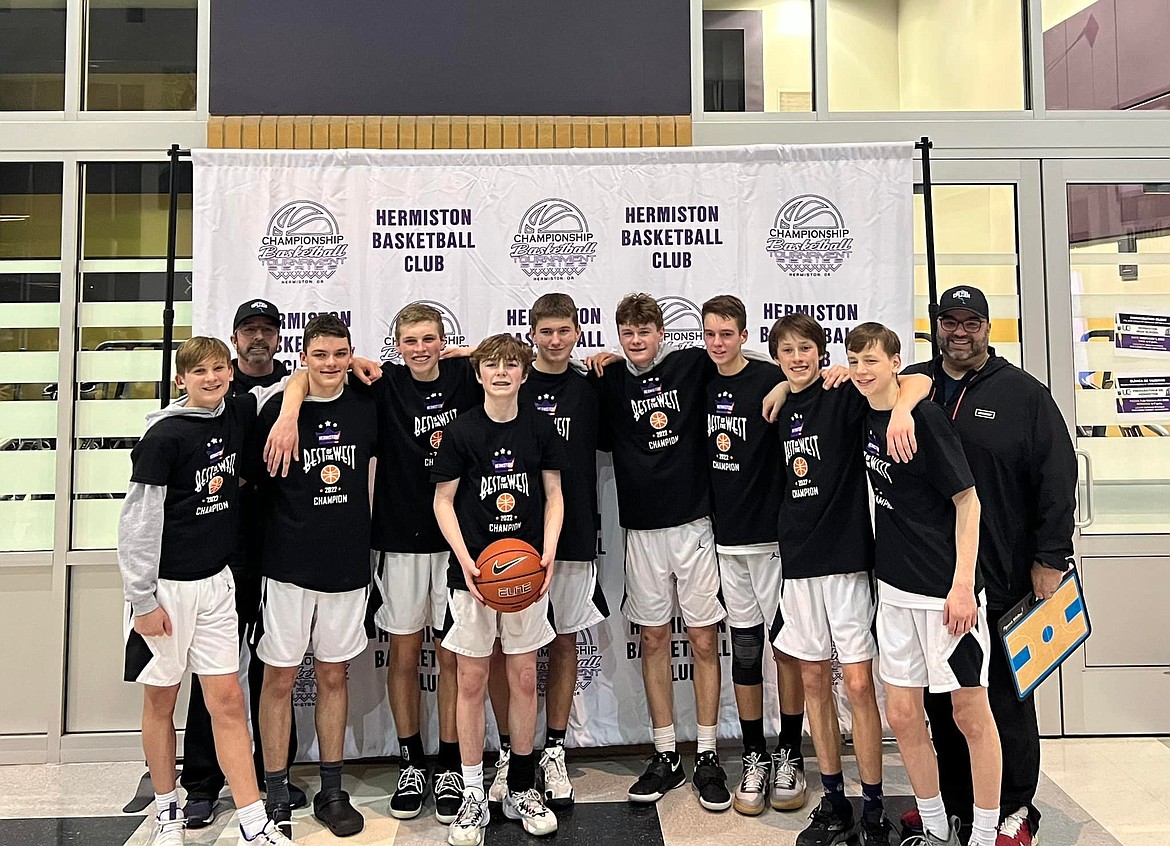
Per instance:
x=510, y=575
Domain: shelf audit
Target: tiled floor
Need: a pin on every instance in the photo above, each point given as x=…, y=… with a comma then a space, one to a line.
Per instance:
x=1093, y=793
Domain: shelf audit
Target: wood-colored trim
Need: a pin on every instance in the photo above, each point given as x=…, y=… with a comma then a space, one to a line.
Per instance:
x=443, y=132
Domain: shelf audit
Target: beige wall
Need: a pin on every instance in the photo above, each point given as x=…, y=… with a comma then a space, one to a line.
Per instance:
x=1053, y=12
x=863, y=55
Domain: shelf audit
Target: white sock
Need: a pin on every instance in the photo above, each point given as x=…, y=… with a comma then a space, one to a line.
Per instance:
x=984, y=826
x=473, y=775
x=253, y=819
x=664, y=738
x=934, y=816
x=164, y=801
x=706, y=738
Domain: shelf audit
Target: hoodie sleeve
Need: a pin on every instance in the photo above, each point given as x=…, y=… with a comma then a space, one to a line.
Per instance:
x=1054, y=481
x=140, y=530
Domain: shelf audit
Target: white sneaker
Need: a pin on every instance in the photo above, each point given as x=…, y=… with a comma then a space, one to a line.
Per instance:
x=499, y=788
x=558, y=790
x=270, y=836
x=172, y=827
x=788, y=782
x=472, y=819
x=531, y=811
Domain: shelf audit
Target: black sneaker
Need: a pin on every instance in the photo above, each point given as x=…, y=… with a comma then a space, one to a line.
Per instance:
x=827, y=825
x=710, y=782
x=297, y=798
x=281, y=815
x=407, y=800
x=200, y=813
x=875, y=829
x=664, y=773
x=448, y=790
x=333, y=808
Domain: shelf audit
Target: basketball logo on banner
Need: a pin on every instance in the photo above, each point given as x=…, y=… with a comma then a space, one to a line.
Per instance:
x=553, y=241
x=452, y=333
x=303, y=243
x=682, y=321
x=808, y=237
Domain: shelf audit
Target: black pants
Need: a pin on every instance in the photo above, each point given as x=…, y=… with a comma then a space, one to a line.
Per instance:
x=201, y=776
x=1019, y=737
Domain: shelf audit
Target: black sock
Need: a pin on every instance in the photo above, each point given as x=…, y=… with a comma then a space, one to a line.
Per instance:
x=555, y=737
x=791, y=733
x=835, y=791
x=330, y=775
x=411, y=750
x=276, y=783
x=505, y=742
x=449, y=755
x=521, y=772
x=871, y=795
x=753, y=736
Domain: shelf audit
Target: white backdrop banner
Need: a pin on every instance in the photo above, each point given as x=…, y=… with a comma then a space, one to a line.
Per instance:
x=824, y=230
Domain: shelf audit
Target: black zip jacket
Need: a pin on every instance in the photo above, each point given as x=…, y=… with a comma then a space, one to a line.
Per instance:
x=1025, y=472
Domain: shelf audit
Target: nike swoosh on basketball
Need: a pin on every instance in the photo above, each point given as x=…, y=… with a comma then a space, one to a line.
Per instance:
x=498, y=568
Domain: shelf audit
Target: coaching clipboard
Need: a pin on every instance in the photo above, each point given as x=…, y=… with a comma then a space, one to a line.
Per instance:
x=1039, y=635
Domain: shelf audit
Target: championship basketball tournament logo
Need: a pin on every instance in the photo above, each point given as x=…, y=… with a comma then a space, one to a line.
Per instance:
x=215, y=450
x=553, y=241
x=809, y=237
x=724, y=403
x=502, y=461
x=328, y=434
x=682, y=321
x=303, y=243
x=547, y=403
x=588, y=664
x=452, y=332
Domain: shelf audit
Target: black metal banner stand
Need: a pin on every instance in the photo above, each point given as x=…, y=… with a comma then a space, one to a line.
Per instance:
x=924, y=144
x=168, y=326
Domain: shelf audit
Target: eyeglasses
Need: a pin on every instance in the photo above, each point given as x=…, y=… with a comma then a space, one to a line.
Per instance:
x=262, y=329
x=950, y=324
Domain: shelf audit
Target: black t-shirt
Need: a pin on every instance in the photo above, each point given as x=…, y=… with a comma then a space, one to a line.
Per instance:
x=743, y=456
x=914, y=515
x=198, y=459
x=413, y=417
x=498, y=465
x=242, y=382
x=570, y=399
x=824, y=521
x=317, y=531
x=659, y=450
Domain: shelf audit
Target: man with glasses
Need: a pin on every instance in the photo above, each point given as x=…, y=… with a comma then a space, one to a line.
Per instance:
x=256, y=338
x=1020, y=454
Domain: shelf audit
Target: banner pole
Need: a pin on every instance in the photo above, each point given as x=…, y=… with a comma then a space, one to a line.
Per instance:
x=168, y=323
x=924, y=144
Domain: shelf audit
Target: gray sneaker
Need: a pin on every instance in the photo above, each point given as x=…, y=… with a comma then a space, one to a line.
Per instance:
x=751, y=797
x=928, y=839
x=499, y=789
x=788, y=782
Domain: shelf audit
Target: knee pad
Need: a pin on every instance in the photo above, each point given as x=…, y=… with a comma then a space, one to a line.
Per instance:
x=747, y=655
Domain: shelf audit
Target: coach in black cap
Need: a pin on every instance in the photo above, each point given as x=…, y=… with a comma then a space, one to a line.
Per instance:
x=1019, y=450
x=256, y=337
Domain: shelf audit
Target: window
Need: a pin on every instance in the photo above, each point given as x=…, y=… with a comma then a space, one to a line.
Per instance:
x=757, y=56
x=30, y=289
x=141, y=55
x=32, y=55
x=926, y=55
x=123, y=284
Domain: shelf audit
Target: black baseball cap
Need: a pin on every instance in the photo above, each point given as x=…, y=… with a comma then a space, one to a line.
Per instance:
x=964, y=297
x=256, y=308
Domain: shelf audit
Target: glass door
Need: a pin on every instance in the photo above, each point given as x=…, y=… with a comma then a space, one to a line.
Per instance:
x=1108, y=253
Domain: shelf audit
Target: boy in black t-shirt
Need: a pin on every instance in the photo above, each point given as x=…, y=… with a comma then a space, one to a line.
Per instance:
x=497, y=475
x=316, y=569
x=557, y=387
x=744, y=466
x=931, y=620
x=176, y=535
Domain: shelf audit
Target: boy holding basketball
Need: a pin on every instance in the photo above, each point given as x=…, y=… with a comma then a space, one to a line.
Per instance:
x=497, y=476
x=932, y=628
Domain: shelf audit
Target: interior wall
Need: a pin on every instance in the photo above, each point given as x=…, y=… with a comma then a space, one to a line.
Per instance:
x=863, y=55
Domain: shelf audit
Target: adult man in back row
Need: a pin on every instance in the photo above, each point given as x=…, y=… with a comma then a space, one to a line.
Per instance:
x=1018, y=447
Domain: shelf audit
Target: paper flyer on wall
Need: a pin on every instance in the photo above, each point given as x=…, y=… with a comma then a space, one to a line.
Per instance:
x=1144, y=398
x=1141, y=334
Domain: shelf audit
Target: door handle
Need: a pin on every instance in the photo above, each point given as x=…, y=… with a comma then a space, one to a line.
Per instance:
x=1087, y=520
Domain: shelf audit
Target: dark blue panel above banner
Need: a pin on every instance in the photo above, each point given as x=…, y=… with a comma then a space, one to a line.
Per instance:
x=474, y=57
